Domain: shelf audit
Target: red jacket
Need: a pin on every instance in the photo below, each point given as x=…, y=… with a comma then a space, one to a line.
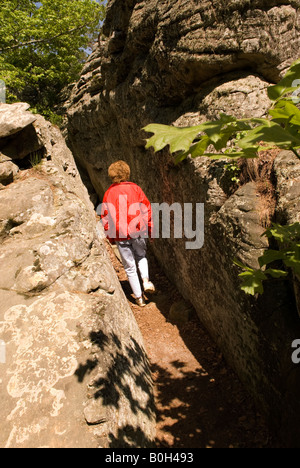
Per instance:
x=126, y=213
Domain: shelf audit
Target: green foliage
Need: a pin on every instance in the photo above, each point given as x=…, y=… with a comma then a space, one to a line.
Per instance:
x=42, y=46
x=234, y=170
x=288, y=255
x=35, y=159
x=281, y=129
x=187, y=141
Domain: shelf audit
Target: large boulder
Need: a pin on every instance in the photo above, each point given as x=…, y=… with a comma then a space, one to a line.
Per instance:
x=73, y=370
x=14, y=118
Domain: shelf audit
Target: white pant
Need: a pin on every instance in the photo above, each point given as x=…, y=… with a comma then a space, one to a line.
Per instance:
x=133, y=252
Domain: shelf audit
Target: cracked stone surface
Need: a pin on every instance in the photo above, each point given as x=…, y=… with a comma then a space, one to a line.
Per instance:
x=14, y=117
x=73, y=370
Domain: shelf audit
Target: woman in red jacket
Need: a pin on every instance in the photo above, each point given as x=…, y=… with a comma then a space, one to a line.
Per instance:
x=126, y=215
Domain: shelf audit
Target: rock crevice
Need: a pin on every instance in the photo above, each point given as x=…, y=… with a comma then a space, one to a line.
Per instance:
x=190, y=63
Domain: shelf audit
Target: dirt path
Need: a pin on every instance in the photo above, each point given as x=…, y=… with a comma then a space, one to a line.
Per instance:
x=200, y=401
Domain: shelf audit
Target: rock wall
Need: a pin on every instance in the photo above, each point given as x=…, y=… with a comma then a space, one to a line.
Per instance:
x=73, y=370
x=182, y=62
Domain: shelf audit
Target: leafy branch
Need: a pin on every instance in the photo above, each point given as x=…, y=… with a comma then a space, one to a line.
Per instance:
x=280, y=129
x=47, y=39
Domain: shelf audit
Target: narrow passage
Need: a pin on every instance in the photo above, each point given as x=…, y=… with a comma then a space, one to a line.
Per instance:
x=200, y=401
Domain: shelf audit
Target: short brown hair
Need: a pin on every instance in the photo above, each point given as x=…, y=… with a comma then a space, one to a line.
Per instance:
x=119, y=172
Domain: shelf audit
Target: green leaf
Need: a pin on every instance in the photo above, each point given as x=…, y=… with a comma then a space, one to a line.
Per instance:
x=276, y=273
x=241, y=265
x=179, y=139
x=270, y=132
x=270, y=256
x=286, y=112
x=284, y=234
x=285, y=86
x=217, y=133
x=197, y=149
x=219, y=129
x=292, y=261
x=253, y=282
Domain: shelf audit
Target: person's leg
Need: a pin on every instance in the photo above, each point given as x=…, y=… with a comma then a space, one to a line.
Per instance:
x=140, y=252
x=128, y=260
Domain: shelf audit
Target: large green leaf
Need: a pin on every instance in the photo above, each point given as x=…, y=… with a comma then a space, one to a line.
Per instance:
x=179, y=139
x=216, y=133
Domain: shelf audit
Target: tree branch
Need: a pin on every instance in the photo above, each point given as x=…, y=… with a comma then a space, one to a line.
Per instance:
x=40, y=41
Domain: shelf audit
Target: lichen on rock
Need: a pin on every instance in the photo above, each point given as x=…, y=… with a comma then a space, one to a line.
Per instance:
x=58, y=290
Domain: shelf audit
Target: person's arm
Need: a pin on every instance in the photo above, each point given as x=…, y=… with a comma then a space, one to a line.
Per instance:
x=146, y=211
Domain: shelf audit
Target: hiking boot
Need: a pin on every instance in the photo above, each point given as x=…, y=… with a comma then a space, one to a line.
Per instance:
x=140, y=302
x=148, y=286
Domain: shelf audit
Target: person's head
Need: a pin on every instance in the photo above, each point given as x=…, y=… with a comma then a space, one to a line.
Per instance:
x=119, y=172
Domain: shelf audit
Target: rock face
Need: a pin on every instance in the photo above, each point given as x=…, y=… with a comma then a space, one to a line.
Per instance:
x=182, y=62
x=73, y=370
x=14, y=118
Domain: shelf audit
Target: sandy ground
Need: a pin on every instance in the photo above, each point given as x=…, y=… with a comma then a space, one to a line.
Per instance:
x=199, y=399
